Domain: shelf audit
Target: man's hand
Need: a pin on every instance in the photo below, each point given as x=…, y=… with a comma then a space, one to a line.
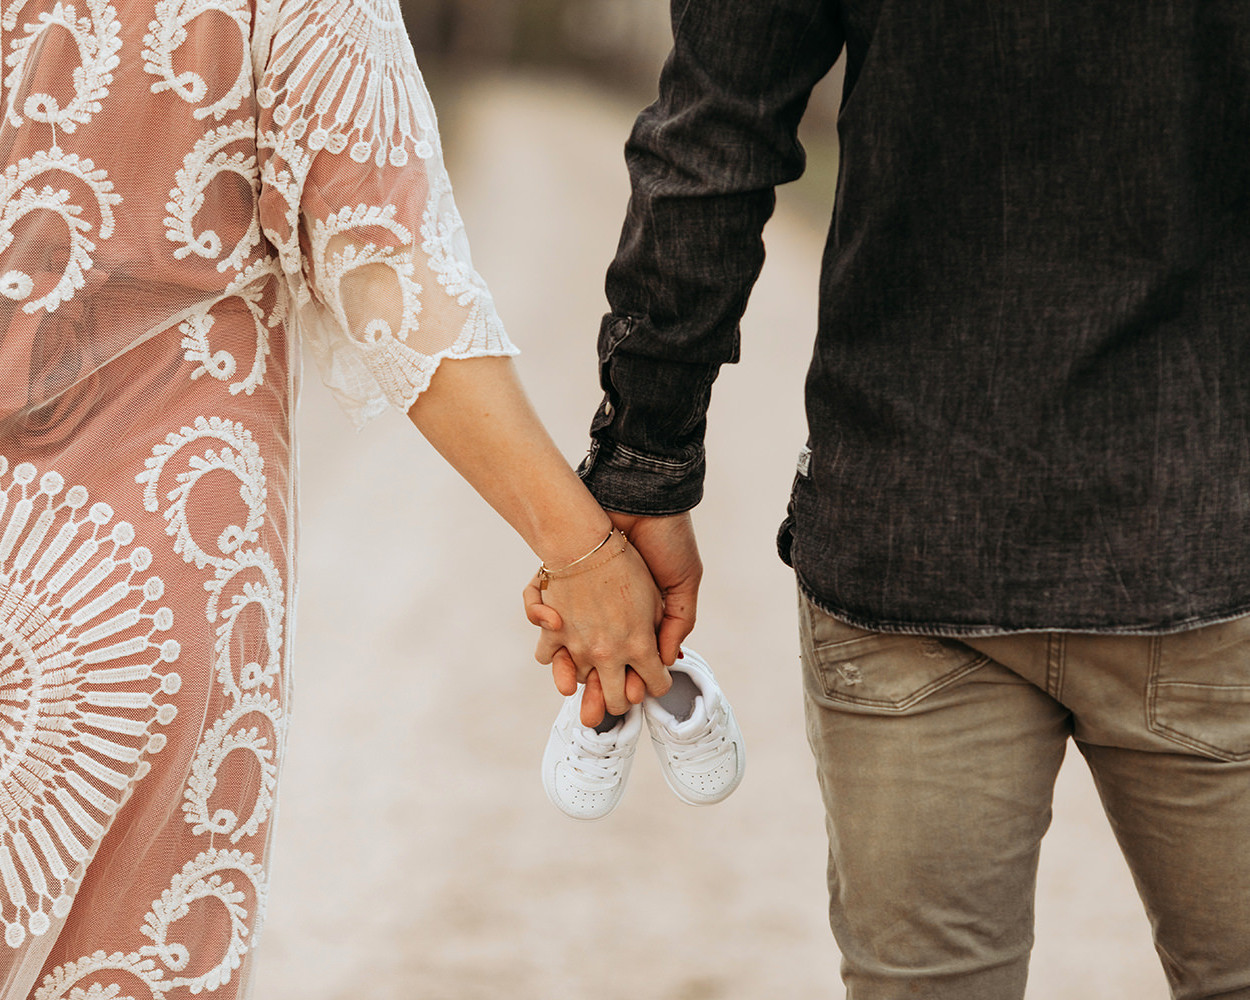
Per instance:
x=668, y=546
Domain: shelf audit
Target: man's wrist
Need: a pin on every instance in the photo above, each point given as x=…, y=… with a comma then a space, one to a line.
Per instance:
x=629, y=481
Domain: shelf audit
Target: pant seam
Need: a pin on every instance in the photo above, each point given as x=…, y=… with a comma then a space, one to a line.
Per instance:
x=1056, y=661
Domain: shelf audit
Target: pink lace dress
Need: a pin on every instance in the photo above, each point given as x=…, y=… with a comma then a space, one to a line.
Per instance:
x=190, y=188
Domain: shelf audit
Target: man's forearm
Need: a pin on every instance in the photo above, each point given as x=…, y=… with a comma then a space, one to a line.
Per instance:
x=704, y=160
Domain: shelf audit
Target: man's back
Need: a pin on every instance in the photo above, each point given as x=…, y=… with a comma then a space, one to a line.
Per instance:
x=1029, y=411
x=1028, y=404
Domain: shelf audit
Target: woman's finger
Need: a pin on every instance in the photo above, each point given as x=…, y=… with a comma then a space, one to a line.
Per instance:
x=544, y=617
x=536, y=611
x=548, y=644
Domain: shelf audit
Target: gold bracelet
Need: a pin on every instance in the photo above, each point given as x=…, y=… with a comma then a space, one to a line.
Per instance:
x=581, y=564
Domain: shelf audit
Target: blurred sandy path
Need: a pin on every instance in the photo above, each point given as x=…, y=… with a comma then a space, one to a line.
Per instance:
x=417, y=857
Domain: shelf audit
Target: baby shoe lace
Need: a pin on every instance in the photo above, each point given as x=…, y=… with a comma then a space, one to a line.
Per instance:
x=697, y=746
x=595, y=765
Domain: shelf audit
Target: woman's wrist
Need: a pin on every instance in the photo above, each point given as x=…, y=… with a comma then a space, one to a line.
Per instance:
x=611, y=546
x=576, y=539
x=567, y=522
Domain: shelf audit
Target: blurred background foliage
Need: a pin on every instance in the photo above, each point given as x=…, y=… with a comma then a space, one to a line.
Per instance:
x=616, y=45
x=618, y=41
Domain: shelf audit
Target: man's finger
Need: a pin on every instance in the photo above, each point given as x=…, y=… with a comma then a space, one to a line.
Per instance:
x=679, y=618
x=651, y=670
x=612, y=682
x=673, y=632
x=564, y=672
x=593, y=708
x=635, y=687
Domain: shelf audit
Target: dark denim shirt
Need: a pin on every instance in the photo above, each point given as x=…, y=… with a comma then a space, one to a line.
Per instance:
x=1029, y=401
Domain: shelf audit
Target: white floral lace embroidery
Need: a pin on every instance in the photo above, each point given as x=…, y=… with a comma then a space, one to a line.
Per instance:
x=170, y=30
x=238, y=456
x=206, y=162
x=258, y=289
x=342, y=76
x=444, y=240
x=19, y=197
x=252, y=723
x=97, y=37
x=82, y=675
x=256, y=231
x=209, y=876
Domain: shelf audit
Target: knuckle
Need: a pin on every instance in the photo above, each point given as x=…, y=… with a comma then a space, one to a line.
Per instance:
x=644, y=654
x=599, y=653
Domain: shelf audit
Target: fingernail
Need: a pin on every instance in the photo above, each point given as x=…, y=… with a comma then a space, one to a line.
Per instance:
x=680, y=655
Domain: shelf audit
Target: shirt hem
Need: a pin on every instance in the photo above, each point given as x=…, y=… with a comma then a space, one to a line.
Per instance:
x=955, y=630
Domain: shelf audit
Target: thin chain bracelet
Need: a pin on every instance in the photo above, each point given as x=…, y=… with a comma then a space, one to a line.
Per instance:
x=584, y=564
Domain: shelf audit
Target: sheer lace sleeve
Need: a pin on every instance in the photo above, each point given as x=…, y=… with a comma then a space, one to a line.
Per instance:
x=355, y=197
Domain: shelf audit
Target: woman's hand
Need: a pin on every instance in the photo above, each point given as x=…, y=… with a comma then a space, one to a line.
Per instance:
x=599, y=628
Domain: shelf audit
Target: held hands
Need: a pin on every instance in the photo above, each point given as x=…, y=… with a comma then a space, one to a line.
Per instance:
x=600, y=620
x=589, y=619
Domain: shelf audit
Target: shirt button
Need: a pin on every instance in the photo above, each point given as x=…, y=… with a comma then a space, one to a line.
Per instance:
x=607, y=409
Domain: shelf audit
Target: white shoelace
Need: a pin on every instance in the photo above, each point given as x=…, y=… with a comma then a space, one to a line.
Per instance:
x=698, y=745
x=595, y=766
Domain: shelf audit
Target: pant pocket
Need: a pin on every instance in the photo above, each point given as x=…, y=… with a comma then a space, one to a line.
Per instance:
x=876, y=672
x=1198, y=694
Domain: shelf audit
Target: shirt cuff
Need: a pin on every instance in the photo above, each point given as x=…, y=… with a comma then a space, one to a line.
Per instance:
x=628, y=481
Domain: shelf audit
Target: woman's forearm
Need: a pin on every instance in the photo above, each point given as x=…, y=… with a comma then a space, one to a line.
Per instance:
x=477, y=416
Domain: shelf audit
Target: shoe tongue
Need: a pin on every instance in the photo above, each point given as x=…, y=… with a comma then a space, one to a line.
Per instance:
x=609, y=723
x=697, y=718
x=603, y=741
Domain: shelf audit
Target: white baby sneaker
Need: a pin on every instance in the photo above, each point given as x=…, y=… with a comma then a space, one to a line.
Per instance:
x=584, y=770
x=695, y=734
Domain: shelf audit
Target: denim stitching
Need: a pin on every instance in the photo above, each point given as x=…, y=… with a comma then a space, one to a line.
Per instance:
x=1056, y=661
x=1160, y=728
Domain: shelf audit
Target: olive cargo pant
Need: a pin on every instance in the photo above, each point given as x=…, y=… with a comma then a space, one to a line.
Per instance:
x=937, y=758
